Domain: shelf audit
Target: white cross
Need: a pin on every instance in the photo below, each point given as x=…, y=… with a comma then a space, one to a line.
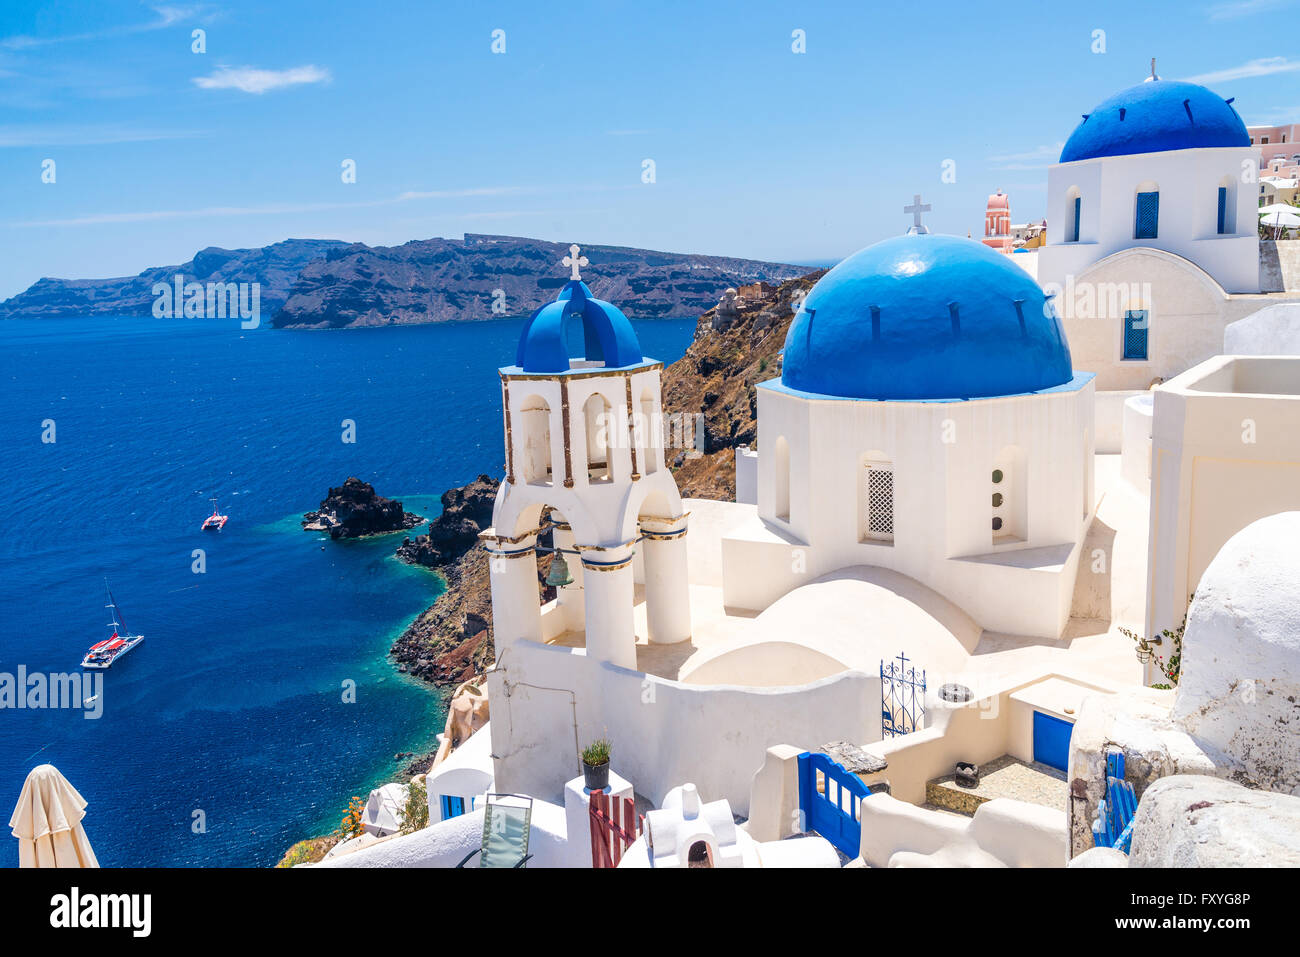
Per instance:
x=916, y=209
x=573, y=260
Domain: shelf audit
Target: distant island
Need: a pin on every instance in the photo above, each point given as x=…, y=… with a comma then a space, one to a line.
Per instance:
x=275, y=267
x=329, y=284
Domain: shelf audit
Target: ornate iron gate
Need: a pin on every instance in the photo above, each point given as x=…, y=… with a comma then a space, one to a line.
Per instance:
x=902, y=697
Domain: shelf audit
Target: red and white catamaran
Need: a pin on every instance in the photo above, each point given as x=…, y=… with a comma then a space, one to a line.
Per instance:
x=101, y=656
x=216, y=520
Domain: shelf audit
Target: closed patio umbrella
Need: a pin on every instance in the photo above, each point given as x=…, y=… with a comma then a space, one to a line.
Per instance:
x=47, y=822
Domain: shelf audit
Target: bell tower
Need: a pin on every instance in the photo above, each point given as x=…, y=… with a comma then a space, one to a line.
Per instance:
x=584, y=444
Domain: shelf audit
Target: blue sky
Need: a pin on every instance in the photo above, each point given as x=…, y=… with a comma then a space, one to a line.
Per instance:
x=758, y=151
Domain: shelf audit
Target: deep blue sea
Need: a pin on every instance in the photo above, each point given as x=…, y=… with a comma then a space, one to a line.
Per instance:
x=234, y=704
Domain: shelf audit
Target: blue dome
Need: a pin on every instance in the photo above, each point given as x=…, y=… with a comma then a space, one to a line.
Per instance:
x=925, y=317
x=607, y=333
x=1155, y=116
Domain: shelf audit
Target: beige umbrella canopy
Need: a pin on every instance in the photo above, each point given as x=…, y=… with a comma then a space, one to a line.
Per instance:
x=47, y=822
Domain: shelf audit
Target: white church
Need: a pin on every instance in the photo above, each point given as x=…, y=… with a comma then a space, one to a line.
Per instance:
x=962, y=462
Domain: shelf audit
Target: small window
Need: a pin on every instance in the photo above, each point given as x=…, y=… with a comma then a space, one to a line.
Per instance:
x=1223, y=209
x=1147, y=225
x=879, y=525
x=1135, y=335
x=1078, y=208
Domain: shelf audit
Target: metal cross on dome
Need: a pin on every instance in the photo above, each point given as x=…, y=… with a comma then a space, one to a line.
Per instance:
x=916, y=209
x=573, y=261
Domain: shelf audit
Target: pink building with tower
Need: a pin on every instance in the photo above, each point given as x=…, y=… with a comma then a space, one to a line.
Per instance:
x=997, y=223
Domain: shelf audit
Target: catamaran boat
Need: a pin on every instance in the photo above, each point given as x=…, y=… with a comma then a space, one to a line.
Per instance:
x=101, y=656
x=216, y=520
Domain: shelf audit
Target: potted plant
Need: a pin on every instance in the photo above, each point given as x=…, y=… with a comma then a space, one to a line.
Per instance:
x=595, y=765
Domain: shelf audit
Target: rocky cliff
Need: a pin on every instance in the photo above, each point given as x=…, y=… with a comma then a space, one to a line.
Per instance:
x=733, y=349
x=449, y=642
x=275, y=268
x=436, y=280
x=353, y=509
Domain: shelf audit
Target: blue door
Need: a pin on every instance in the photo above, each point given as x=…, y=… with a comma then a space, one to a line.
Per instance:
x=831, y=798
x=451, y=806
x=1052, y=740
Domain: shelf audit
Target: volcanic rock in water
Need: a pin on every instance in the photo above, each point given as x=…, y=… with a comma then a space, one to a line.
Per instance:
x=466, y=511
x=353, y=510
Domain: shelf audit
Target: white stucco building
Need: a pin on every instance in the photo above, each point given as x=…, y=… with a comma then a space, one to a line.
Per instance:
x=1153, y=246
x=1225, y=452
x=928, y=421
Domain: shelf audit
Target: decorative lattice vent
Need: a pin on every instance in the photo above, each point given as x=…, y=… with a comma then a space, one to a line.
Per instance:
x=880, y=503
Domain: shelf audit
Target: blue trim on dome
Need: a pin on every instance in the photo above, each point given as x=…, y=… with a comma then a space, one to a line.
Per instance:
x=1153, y=117
x=607, y=334
x=1077, y=382
x=926, y=318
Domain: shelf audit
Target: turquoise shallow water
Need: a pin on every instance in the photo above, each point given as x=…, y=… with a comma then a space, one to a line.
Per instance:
x=233, y=706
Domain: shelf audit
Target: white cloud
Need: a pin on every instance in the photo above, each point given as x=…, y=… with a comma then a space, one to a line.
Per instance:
x=1040, y=157
x=101, y=135
x=252, y=80
x=166, y=17
x=1264, y=66
x=99, y=219
x=1243, y=8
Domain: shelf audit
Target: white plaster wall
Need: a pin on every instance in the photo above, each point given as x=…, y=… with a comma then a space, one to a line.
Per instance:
x=1207, y=481
x=1240, y=686
x=1135, y=460
x=1279, y=265
x=1188, y=182
x=1003, y=832
x=550, y=701
x=1109, y=420
x=942, y=500
x=446, y=843
x=1272, y=331
x=746, y=476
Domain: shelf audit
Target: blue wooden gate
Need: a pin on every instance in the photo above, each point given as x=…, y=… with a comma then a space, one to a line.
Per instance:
x=902, y=697
x=831, y=801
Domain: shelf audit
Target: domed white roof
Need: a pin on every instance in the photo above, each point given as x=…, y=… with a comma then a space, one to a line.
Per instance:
x=1239, y=690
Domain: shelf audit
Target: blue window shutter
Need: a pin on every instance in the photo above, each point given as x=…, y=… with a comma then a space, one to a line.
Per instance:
x=1148, y=216
x=1078, y=205
x=1135, y=334
x=1223, y=209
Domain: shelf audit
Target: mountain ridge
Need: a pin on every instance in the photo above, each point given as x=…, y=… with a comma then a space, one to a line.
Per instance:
x=275, y=266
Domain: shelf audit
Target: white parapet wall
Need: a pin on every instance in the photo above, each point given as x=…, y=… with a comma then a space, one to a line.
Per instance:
x=1110, y=419
x=446, y=843
x=550, y=701
x=1225, y=451
x=746, y=476
x=1003, y=833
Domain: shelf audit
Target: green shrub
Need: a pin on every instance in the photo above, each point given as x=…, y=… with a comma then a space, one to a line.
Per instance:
x=416, y=814
x=596, y=753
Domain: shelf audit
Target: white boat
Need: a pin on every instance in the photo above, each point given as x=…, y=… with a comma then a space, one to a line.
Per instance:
x=101, y=656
